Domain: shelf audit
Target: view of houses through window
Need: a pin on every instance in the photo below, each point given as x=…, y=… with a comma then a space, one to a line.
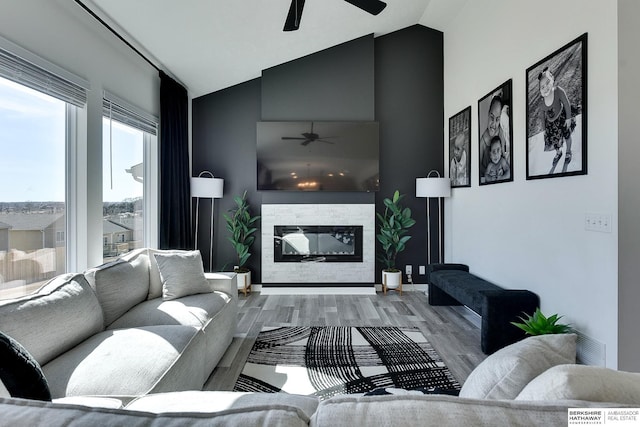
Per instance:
x=123, y=188
x=33, y=143
x=32, y=190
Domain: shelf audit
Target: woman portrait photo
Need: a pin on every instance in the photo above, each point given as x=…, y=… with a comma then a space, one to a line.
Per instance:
x=556, y=113
x=495, y=155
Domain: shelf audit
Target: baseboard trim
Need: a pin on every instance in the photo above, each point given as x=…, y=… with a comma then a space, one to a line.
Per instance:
x=329, y=290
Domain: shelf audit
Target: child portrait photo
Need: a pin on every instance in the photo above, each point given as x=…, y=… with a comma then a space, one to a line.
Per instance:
x=495, y=154
x=557, y=114
x=459, y=149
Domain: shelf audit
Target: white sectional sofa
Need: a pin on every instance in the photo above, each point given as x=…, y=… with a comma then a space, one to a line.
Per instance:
x=124, y=329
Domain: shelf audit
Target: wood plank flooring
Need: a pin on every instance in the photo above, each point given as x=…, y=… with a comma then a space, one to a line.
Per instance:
x=453, y=335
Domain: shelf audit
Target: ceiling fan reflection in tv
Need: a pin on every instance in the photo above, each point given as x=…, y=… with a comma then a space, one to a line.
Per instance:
x=309, y=137
x=292, y=22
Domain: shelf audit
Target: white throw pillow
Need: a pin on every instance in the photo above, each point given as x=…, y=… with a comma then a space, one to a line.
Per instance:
x=181, y=274
x=506, y=372
x=580, y=382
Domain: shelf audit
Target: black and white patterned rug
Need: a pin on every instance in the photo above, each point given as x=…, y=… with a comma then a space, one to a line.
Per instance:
x=329, y=360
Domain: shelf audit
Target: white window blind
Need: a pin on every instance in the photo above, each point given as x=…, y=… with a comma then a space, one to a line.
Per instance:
x=119, y=110
x=28, y=69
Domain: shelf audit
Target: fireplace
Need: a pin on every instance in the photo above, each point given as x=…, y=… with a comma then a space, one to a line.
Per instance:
x=317, y=243
x=340, y=261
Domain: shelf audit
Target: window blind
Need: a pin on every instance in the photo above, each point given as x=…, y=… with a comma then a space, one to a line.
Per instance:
x=27, y=69
x=123, y=112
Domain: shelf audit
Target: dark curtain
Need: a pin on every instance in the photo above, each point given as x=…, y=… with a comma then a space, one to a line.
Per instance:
x=175, y=191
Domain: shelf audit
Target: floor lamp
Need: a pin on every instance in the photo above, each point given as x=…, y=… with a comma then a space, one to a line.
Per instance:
x=429, y=187
x=204, y=187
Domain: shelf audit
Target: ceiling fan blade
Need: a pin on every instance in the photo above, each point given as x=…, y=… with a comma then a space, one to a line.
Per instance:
x=293, y=17
x=325, y=141
x=307, y=142
x=293, y=137
x=374, y=7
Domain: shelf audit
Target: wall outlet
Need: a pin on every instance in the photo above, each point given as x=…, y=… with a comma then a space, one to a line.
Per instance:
x=422, y=270
x=408, y=269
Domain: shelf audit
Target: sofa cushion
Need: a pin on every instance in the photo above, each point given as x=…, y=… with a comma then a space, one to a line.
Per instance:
x=506, y=372
x=155, y=282
x=34, y=413
x=131, y=361
x=193, y=310
x=579, y=382
x=61, y=314
x=120, y=284
x=181, y=274
x=20, y=374
x=215, y=401
x=436, y=410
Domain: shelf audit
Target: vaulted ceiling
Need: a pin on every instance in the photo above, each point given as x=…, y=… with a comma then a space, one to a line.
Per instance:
x=212, y=44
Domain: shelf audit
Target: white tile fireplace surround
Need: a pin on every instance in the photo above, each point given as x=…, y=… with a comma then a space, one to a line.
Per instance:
x=318, y=277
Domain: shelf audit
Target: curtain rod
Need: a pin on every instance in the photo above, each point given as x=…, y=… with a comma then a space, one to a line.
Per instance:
x=107, y=26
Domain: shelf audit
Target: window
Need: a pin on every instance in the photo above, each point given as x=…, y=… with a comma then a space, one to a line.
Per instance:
x=38, y=107
x=128, y=138
x=33, y=196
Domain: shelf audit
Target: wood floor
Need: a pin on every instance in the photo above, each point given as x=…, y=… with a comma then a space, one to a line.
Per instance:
x=452, y=333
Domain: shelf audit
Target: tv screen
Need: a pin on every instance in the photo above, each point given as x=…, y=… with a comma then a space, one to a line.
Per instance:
x=318, y=156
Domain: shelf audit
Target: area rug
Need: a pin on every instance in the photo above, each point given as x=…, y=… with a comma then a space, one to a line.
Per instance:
x=329, y=360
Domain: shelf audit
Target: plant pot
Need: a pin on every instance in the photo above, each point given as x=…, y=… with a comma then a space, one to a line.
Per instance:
x=243, y=279
x=391, y=280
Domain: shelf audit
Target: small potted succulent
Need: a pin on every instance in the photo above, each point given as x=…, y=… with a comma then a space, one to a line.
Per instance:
x=394, y=224
x=539, y=324
x=241, y=225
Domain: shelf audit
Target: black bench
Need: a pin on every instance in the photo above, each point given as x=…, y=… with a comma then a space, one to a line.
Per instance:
x=452, y=284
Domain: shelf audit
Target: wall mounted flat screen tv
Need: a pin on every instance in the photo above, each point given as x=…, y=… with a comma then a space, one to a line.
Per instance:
x=318, y=156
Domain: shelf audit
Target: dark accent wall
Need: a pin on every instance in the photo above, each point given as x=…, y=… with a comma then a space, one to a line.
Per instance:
x=396, y=79
x=334, y=84
x=410, y=108
x=224, y=142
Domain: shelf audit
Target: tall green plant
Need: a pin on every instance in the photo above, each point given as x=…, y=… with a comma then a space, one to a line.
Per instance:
x=240, y=224
x=394, y=224
x=539, y=324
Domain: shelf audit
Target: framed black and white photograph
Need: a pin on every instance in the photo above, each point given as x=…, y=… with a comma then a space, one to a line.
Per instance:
x=460, y=148
x=495, y=153
x=557, y=113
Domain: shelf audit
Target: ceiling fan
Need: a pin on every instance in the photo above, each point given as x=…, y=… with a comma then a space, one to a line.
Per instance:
x=309, y=137
x=292, y=23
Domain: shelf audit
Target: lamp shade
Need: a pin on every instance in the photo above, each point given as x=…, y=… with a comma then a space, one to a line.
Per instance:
x=433, y=187
x=207, y=188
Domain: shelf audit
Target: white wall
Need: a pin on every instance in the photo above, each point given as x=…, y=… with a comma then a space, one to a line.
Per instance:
x=530, y=234
x=64, y=34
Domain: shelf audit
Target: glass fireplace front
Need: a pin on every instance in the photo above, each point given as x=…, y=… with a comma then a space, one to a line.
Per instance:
x=317, y=243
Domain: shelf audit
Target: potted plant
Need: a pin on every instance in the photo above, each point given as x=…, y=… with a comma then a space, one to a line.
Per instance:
x=241, y=225
x=539, y=324
x=394, y=224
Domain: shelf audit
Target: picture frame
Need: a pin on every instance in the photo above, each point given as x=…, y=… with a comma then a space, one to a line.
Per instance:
x=495, y=124
x=460, y=149
x=556, y=125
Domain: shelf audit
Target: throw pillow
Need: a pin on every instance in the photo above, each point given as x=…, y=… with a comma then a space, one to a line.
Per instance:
x=506, y=372
x=20, y=374
x=580, y=382
x=181, y=274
